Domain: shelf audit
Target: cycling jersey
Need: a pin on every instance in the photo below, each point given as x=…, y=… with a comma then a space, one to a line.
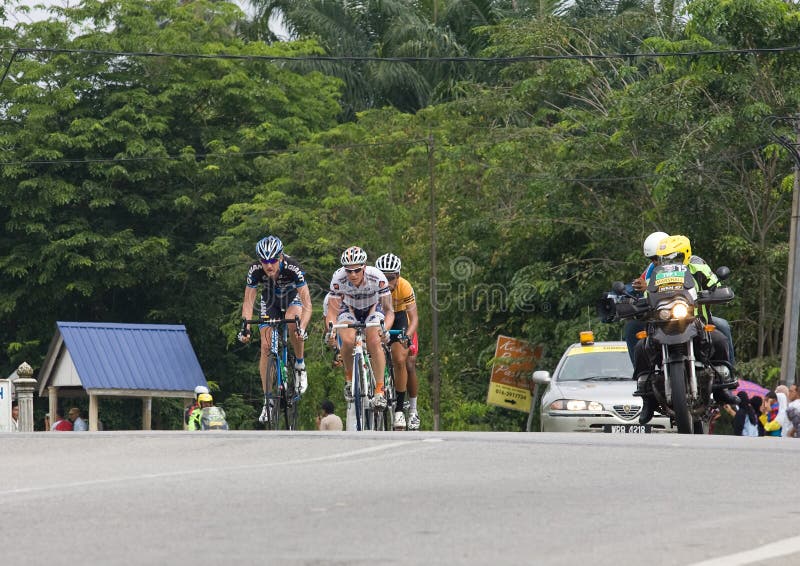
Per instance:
x=373, y=287
x=280, y=292
x=403, y=295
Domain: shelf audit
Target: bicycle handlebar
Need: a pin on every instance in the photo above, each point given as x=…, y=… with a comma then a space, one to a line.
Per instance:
x=356, y=325
x=273, y=322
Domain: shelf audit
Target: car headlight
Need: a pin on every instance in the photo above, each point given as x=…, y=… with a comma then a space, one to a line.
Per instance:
x=575, y=405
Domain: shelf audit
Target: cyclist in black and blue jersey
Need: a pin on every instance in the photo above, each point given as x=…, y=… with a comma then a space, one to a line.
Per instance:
x=284, y=294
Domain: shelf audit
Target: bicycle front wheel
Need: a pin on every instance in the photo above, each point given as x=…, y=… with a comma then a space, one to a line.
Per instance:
x=274, y=403
x=359, y=395
x=390, y=391
x=289, y=395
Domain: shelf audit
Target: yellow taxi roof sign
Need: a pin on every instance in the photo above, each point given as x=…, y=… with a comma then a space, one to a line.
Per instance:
x=577, y=349
x=587, y=337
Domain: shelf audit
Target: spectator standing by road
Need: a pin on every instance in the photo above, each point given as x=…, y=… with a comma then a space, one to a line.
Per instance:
x=783, y=403
x=757, y=402
x=15, y=417
x=769, y=414
x=745, y=422
x=78, y=423
x=60, y=423
x=793, y=411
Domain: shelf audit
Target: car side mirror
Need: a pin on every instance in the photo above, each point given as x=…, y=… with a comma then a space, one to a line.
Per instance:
x=541, y=376
x=723, y=272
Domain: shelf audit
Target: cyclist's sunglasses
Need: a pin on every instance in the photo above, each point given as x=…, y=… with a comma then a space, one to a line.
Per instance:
x=269, y=261
x=391, y=276
x=353, y=270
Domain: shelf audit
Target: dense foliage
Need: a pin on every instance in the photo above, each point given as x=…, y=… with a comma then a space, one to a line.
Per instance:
x=133, y=188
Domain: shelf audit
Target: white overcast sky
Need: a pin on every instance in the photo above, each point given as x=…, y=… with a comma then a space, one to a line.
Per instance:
x=37, y=14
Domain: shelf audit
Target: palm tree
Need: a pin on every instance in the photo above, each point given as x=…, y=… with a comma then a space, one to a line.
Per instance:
x=394, y=28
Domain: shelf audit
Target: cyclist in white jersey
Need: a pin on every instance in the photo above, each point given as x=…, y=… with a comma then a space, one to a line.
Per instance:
x=360, y=293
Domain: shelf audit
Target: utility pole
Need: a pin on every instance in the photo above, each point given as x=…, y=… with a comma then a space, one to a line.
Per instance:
x=792, y=309
x=435, y=383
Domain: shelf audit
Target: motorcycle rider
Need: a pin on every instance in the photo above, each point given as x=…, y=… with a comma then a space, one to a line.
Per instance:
x=633, y=326
x=639, y=285
x=675, y=249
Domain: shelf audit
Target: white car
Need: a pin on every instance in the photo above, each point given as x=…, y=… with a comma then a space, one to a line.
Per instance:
x=591, y=390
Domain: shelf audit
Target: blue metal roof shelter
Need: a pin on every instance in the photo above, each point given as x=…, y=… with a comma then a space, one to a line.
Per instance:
x=122, y=360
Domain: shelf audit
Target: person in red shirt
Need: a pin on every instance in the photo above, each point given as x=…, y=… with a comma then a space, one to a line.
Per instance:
x=61, y=423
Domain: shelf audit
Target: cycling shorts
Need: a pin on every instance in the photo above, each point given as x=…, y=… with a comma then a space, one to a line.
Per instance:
x=351, y=315
x=400, y=323
x=274, y=309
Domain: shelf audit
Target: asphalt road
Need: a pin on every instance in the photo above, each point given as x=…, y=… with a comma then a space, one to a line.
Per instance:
x=313, y=498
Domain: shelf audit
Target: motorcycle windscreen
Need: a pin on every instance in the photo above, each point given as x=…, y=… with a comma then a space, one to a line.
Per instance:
x=671, y=280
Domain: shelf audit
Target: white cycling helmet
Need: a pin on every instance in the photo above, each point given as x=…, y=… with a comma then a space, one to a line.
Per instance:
x=651, y=243
x=199, y=390
x=354, y=256
x=388, y=263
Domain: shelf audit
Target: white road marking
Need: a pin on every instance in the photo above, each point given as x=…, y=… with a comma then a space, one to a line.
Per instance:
x=337, y=456
x=760, y=554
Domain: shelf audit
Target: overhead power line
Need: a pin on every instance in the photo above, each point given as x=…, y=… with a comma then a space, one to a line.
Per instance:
x=343, y=59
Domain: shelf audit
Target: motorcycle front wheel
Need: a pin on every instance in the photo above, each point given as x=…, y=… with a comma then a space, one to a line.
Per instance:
x=677, y=384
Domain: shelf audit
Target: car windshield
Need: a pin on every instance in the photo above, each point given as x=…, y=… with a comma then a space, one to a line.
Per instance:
x=597, y=366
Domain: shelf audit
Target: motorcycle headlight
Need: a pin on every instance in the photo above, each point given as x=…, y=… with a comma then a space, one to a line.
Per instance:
x=680, y=310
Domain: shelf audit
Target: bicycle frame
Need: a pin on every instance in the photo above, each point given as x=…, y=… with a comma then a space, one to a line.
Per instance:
x=362, y=376
x=285, y=392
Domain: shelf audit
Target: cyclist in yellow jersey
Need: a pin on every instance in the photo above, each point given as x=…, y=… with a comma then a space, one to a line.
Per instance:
x=406, y=319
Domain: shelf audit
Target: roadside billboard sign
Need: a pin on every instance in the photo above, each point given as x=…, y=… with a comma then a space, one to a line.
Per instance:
x=510, y=385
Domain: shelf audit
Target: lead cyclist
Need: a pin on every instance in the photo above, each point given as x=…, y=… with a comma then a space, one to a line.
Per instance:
x=360, y=293
x=284, y=295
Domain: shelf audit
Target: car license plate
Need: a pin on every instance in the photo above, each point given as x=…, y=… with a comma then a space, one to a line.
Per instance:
x=627, y=428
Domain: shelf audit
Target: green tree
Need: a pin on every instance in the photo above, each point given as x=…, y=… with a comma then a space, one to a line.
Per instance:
x=115, y=168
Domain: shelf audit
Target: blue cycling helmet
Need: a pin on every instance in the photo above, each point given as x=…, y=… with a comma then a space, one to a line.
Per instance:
x=269, y=248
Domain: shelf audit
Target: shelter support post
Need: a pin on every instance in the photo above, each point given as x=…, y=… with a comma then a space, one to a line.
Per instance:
x=52, y=394
x=93, y=402
x=147, y=413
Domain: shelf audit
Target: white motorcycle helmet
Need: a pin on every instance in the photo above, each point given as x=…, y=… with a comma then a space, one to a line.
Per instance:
x=651, y=243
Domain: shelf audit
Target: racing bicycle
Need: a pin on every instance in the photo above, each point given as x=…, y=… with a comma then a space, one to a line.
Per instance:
x=283, y=398
x=385, y=420
x=363, y=382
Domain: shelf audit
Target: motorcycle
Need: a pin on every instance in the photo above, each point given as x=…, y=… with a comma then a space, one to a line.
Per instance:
x=682, y=377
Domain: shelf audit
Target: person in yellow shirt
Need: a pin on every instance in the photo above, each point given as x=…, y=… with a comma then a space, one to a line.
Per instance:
x=405, y=319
